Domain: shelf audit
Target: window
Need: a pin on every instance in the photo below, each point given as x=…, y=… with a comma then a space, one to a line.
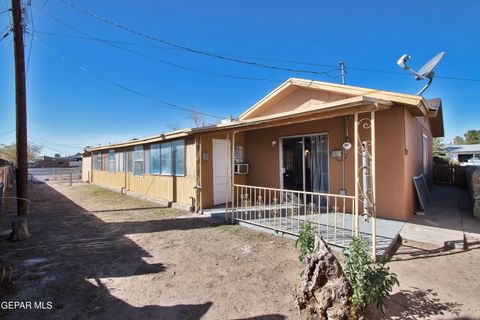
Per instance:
x=97, y=161
x=104, y=160
x=111, y=160
x=425, y=154
x=138, y=161
x=129, y=159
x=155, y=159
x=166, y=158
x=119, y=157
x=178, y=150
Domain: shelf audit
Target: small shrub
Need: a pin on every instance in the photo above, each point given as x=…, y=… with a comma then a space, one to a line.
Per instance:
x=306, y=241
x=371, y=283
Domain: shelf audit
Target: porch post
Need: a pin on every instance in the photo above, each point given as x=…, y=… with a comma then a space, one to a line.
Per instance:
x=198, y=174
x=226, y=187
x=355, y=150
x=233, y=176
x=372, y=174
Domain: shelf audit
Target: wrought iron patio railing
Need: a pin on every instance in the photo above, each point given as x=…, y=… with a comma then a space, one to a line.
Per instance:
x=331, y=215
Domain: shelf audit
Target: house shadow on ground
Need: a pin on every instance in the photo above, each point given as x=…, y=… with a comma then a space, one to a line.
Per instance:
x=69, y=248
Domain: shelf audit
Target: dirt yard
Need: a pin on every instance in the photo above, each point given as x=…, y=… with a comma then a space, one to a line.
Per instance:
x=97, y=254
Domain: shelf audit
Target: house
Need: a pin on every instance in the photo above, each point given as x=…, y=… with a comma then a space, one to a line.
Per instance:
x=307, y=144
x=463, y=153
x=57, y=162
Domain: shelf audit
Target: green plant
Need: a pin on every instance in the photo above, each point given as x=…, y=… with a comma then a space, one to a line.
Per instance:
x=306, y=240
x=371, y=282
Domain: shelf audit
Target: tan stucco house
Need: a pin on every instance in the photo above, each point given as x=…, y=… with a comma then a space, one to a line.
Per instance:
x=306, y=137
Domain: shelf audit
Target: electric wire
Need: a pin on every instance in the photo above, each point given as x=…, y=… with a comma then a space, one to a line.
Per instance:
x=55, y=143
x=175, y=65
x=192, y=50
x=3, y=135
x=232, y=57
x=29, y=3
x=160, y=103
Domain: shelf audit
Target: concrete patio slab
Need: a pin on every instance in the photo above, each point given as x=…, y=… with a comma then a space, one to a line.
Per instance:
x=387, y=230
x=442, y=223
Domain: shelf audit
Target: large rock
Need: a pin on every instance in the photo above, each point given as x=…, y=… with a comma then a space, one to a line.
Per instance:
x=472, y=175
x=324, y=289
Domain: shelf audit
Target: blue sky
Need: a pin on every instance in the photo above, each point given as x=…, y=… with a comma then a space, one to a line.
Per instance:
x=69, y=108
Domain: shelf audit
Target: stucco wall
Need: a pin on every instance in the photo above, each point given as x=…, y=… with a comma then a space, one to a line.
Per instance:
x=264, y=159
x=207, y=165
x=300, y=99
x=415, y=128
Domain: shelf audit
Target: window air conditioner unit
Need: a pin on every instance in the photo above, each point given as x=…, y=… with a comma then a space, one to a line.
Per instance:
x=240, y=168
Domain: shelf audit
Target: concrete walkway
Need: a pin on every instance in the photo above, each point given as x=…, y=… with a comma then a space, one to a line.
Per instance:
x=447, y=220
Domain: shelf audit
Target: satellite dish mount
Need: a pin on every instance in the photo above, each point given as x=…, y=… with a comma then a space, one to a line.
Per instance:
x=425, y=72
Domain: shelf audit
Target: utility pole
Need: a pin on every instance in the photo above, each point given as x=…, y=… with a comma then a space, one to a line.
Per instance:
x=342, y=67
x=19, y=226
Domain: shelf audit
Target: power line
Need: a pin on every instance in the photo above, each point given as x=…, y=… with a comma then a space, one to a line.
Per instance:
x=335, y=68
x=176, y=65
x=192, y=50
x=233, y=57
x=29, y=3
x=163, y=104
x=3, y=135
x=55, y=143
x=44, y=146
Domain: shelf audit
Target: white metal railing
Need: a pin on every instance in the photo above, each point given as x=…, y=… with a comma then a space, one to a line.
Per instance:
x=332, y=215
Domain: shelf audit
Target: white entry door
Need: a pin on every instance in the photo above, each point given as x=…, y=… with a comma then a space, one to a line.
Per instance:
x=221, y=171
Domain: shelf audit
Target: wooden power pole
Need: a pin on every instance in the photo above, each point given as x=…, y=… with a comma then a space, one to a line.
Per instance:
x=19, y=226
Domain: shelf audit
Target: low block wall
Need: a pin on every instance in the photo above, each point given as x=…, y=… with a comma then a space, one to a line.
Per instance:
x=472, y=177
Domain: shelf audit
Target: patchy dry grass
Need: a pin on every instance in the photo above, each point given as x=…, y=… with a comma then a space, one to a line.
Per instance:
x=245, y=233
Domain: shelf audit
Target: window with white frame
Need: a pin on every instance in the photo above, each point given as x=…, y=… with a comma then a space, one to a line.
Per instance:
x=166, y=158
x=97, y=161
x=155, y=158
x=178, y=151
x=119, y=160
x=111, y=160
x=138, y=161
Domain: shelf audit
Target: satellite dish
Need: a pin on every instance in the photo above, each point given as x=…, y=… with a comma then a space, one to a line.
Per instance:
x=425, y=72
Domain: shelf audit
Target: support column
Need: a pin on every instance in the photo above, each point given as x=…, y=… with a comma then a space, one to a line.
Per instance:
x=232, y=170
x=198, y=175
x=373, y=195
x=227, y=186
x=355, y=150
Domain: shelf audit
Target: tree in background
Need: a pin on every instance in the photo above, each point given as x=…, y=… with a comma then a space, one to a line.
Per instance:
x=9, y=152
x=458, y=140
x=470, y=137
x=439, y=155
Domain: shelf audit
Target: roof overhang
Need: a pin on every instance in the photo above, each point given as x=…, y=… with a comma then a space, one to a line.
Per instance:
x=357, y=100
x=347, y=106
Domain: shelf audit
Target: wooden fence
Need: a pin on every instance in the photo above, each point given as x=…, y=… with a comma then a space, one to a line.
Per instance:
x=449, y=175
x=5, y=176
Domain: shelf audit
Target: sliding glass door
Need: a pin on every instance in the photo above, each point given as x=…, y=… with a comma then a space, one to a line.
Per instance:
x=305, y=163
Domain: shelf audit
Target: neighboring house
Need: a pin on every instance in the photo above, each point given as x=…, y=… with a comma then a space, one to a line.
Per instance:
x=57, y=162
x=301, y=136
x=463, y=153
